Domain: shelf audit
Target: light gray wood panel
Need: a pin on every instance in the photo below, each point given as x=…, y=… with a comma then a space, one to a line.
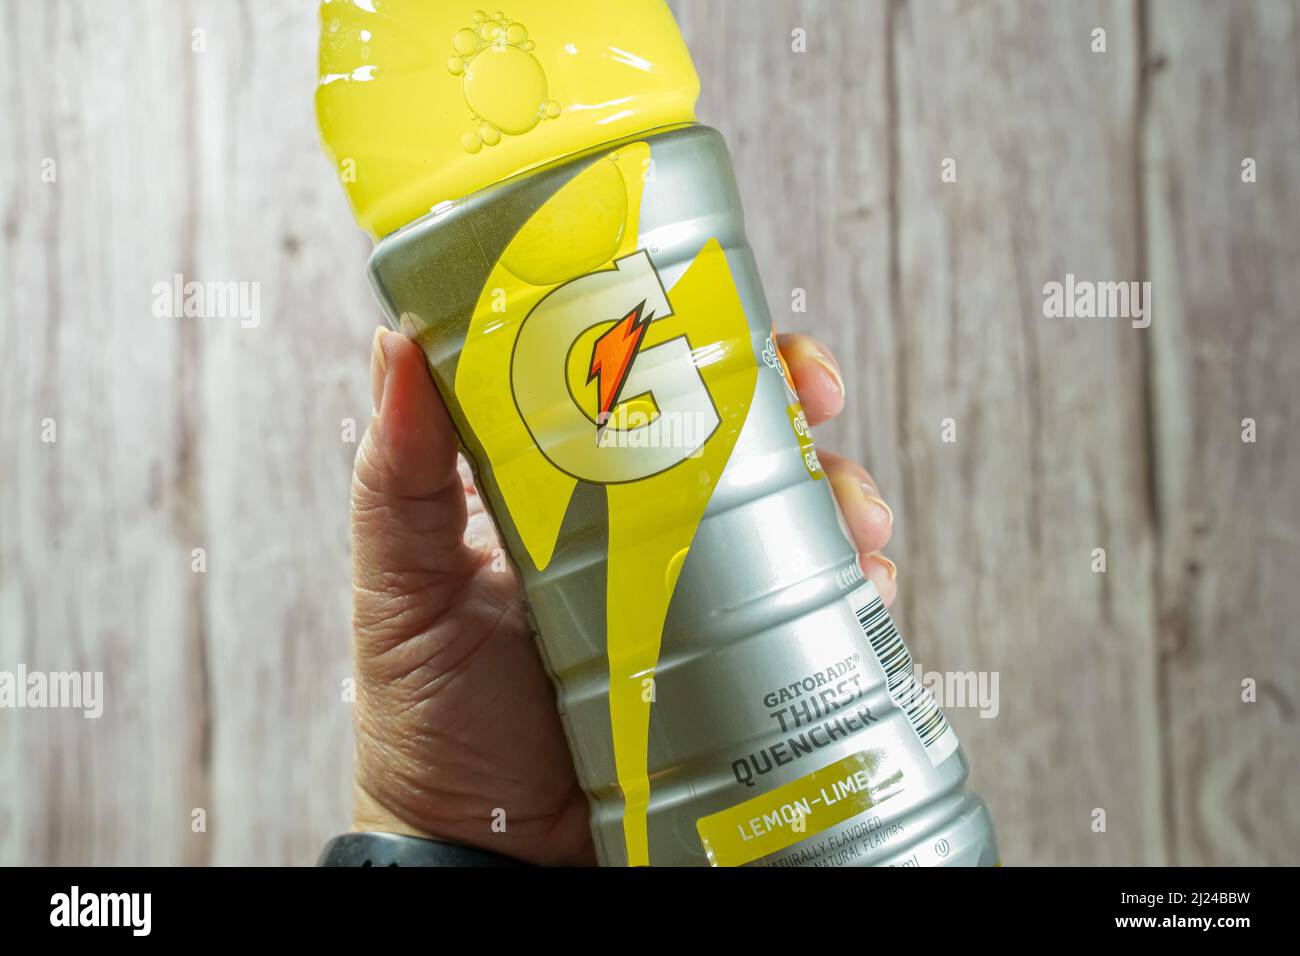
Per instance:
x=1049, y=461
x=223, y=689
x=93, y=565
x=1226, y=348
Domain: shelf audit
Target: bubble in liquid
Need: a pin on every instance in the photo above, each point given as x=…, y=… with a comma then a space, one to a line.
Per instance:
x=471, y=142
x=552, y=109
x=575, y=231
x=465, y=42
x=491, y=135
x=506, y=87
x=455, y=66
x=516, y=33
x=478, y=17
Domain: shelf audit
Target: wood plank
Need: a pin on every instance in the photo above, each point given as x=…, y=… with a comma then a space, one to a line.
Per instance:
x=92, y=554
x=276, y=467
x=1226, y=342
x=223, y=689
x=1049, y=461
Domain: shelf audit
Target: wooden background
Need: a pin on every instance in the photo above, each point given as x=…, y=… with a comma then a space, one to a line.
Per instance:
x=1119, y=691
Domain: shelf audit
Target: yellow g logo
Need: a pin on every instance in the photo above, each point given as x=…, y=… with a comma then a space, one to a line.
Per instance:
x=602, y=403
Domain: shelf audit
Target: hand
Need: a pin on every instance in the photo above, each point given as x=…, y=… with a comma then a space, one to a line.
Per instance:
x=455, y=717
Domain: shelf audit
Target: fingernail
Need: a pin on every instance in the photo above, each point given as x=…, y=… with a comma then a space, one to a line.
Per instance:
x=378, y=367
x=877, y=501
x=827, y=364
x=890, y=567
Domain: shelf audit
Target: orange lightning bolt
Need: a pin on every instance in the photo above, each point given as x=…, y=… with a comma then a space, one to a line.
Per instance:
x=611, y=358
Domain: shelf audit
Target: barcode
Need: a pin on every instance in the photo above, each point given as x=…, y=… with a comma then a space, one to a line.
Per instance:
x=904, y=690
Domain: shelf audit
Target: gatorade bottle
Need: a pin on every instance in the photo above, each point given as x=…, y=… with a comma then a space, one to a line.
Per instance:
x=565, y=243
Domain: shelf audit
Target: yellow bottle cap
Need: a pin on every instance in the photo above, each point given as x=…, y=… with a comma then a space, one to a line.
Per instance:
x=425, y=101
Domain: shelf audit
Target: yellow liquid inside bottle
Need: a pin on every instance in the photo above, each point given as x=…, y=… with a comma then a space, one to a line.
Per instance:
x=421, y=102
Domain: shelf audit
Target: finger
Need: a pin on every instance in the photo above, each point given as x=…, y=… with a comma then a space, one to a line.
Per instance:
x=837, y=461
x=816, y=376
x=466, y=475
x=882, y=573
x=412, y=443
x=408, y=505
x=480, y=532
x=870, y=519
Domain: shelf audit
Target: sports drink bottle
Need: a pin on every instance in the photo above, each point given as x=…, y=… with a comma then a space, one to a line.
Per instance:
x=565, y=243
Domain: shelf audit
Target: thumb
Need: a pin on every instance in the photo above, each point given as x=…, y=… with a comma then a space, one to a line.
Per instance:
x=408, y=502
